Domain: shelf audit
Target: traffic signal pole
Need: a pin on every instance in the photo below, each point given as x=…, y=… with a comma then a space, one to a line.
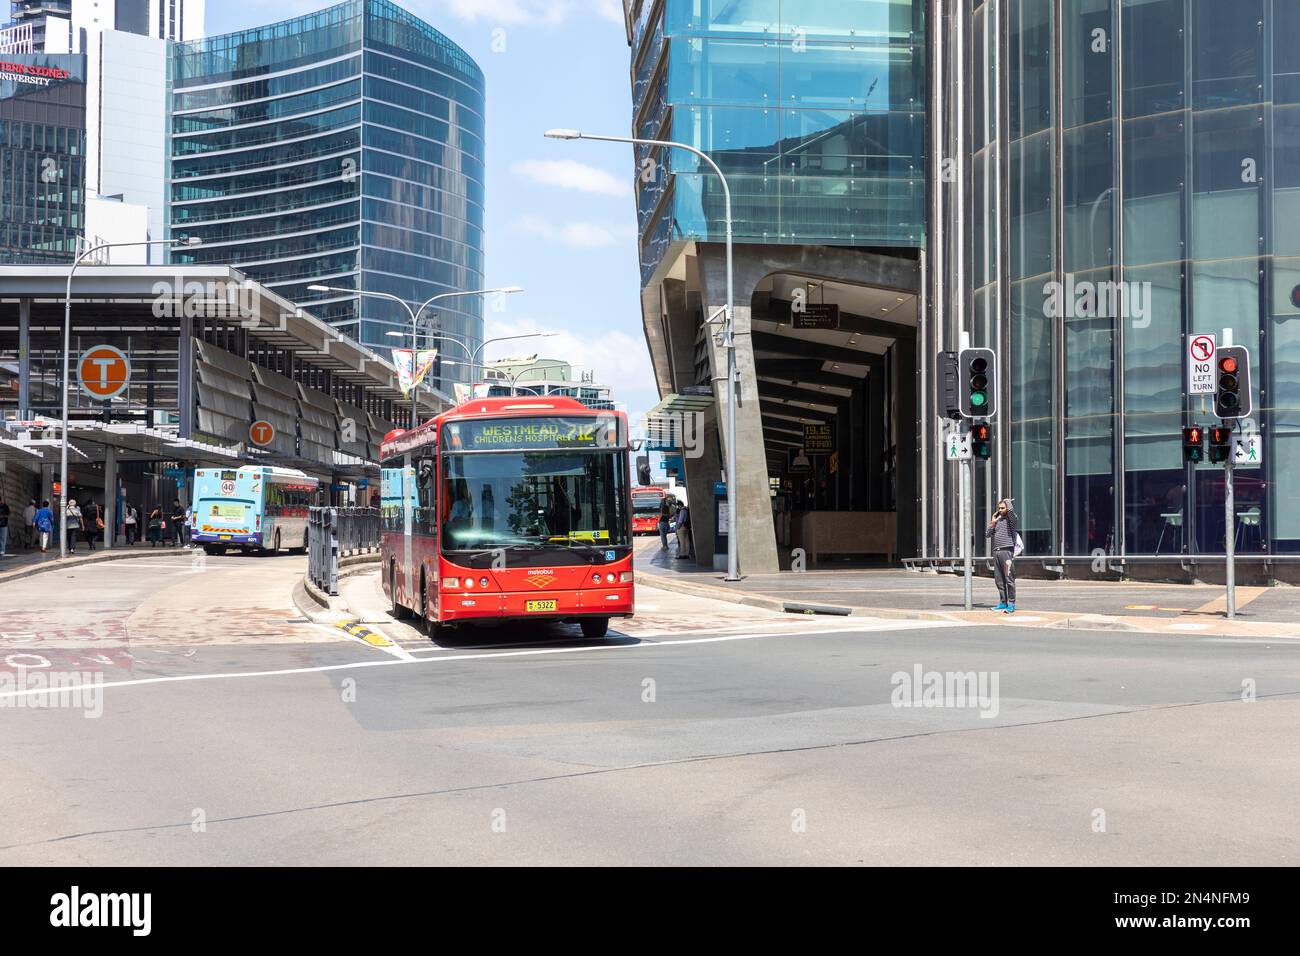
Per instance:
x=966, y=531
x=1229, y=520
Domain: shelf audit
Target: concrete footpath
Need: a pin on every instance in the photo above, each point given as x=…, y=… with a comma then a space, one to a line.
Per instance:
x=915, y=595
x=22, y=564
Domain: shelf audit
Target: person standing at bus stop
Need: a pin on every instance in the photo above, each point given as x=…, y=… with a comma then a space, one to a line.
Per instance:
x=1003, y=529
x=177, y=519
x=665, y=519
x=71, y=522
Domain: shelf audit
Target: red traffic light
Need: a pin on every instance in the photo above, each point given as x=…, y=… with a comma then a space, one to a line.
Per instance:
x=1227, y=364
x=1192, y=436
x=980, y=432
x=1220, y=435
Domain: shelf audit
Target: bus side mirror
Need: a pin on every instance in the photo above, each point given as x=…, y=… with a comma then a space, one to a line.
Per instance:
x=426, y=471
x=636, y=443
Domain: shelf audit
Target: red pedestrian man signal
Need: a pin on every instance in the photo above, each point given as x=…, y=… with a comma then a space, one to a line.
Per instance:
x=261, y=433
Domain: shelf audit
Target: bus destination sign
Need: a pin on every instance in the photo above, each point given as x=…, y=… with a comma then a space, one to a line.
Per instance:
x=529, y=434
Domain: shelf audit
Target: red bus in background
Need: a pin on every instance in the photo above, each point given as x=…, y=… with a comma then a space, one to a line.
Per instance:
x=647, y=502
x=509, y=509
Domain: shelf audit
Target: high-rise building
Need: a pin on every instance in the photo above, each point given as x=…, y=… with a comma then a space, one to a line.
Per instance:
x=1133, y=181
x=345, y=149
x=815, y=113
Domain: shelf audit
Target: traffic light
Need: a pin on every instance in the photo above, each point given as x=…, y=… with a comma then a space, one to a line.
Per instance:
x=1194, y=444
x=981, y=440
x=947, y=378
x=1220, y=444
x=977, y=392
x=1232, y=382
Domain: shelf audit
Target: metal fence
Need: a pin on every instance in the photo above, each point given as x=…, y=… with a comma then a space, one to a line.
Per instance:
x=338, y=532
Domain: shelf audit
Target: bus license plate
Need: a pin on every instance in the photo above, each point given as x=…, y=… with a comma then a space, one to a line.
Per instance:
x=540, y=605
x=225, y=537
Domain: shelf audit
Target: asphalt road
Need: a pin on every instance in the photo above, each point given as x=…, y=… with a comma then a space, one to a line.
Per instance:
x=234, y=732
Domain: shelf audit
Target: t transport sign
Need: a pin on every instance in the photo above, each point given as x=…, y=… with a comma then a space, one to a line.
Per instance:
x=103, y=372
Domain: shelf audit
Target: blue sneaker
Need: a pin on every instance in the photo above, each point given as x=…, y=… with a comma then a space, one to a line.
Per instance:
x=1000, y=606
x=1010, y=609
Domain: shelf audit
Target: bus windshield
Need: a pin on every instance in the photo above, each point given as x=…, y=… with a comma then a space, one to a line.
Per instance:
x=644, y=502
x=545, y=499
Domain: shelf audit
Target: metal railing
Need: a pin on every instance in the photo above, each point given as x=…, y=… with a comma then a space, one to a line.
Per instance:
x=338, y=532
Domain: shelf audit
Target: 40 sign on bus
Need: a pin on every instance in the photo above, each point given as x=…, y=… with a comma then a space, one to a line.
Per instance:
x=818, y=439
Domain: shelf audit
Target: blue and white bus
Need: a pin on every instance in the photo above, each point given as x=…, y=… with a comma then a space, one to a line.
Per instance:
x=253, y=508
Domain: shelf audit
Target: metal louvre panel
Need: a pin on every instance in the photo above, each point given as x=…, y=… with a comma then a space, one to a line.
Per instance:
x=360, y=447
x=218, y=378
x=285, y=433
x=223, y=426
x=319, y=434
x=216, y=399
x=276, y=399
x=228, y=362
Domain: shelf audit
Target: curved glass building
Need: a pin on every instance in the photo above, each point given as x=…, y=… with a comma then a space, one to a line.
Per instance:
x=1133, y=179
x=342, y=148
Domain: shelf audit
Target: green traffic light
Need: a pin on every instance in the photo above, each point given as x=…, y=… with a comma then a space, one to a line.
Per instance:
x=978, y=399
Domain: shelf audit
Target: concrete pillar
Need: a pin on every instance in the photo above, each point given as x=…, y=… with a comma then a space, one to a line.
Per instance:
x=110, y=496
x=24, y=360
x=185, y=376
x=905, y=398
x=701, y=472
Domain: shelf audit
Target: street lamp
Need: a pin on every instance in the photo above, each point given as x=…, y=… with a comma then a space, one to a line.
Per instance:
x=729, y=338
x=475, y=352
x=415, y=316
x=67, y=348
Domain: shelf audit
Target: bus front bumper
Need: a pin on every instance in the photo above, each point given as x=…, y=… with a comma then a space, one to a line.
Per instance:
x=609, y=601
x=208, y=537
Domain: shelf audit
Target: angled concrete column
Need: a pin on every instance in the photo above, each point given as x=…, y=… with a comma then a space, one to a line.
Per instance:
x=185, y=377
x=754, y=527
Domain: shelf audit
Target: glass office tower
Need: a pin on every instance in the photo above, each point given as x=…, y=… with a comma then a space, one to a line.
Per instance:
x=342, y=148
x=813, y=110
x=1134, y=179
x=42, y=157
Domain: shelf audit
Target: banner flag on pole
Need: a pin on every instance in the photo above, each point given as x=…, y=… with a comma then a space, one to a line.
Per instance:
x=412, y=366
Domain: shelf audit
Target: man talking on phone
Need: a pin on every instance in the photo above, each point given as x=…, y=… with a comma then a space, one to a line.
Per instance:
x=1003, y=529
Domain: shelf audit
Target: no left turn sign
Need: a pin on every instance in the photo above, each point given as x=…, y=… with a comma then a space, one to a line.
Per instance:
x=1200, y=364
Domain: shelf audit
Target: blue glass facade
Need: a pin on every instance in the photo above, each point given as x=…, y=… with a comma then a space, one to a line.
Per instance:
x=814, y=110
x=341, y=148
x=1154, y=144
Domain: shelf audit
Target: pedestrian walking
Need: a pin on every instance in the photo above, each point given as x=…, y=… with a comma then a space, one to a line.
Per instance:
x=92, y=522
x=131, y=524
x=44, y=523
x=155, y=526
x=177, y=519
x=29, y=525
x=71, y=523
x=685, y=545
x=4, y=527
x=665, y=519
x=1003, y=529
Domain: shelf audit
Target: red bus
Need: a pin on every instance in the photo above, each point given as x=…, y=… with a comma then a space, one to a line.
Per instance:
x=509, y=509
x=647, y=502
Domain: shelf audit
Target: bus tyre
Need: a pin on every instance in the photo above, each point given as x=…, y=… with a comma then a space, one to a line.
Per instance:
x=432, y=628
x=398, y=612
x=305, y=545
x=593, y=627
x=276, y=548
x=213, y=549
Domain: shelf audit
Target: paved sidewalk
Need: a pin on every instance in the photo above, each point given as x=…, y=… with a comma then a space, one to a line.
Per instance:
x=22, y=563
x=888, y=592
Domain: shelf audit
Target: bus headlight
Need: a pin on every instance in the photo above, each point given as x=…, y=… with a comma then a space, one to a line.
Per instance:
x=482, y=582
x=611, y=578
x=451, y=582
x=625, y=577
x=469, y=582
x=595, y=579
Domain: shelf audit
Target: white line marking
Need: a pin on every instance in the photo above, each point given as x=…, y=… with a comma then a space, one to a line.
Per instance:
x=392, y=661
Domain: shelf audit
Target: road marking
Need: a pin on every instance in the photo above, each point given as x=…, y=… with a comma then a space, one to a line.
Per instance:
x=388, y=662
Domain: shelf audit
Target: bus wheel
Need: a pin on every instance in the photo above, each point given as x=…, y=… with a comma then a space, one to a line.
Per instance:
x=432, y=629
x=276, y=548
x=213, y=549
x=305, y=545
x=398, y=612
x=593, y=627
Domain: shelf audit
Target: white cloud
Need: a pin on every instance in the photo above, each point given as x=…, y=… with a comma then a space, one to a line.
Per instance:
x=549, y=12
x=570, y=174
x=619, y=359
x=583, y=235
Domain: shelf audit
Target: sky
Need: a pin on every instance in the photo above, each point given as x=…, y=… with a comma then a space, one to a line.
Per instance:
x=561, y=216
